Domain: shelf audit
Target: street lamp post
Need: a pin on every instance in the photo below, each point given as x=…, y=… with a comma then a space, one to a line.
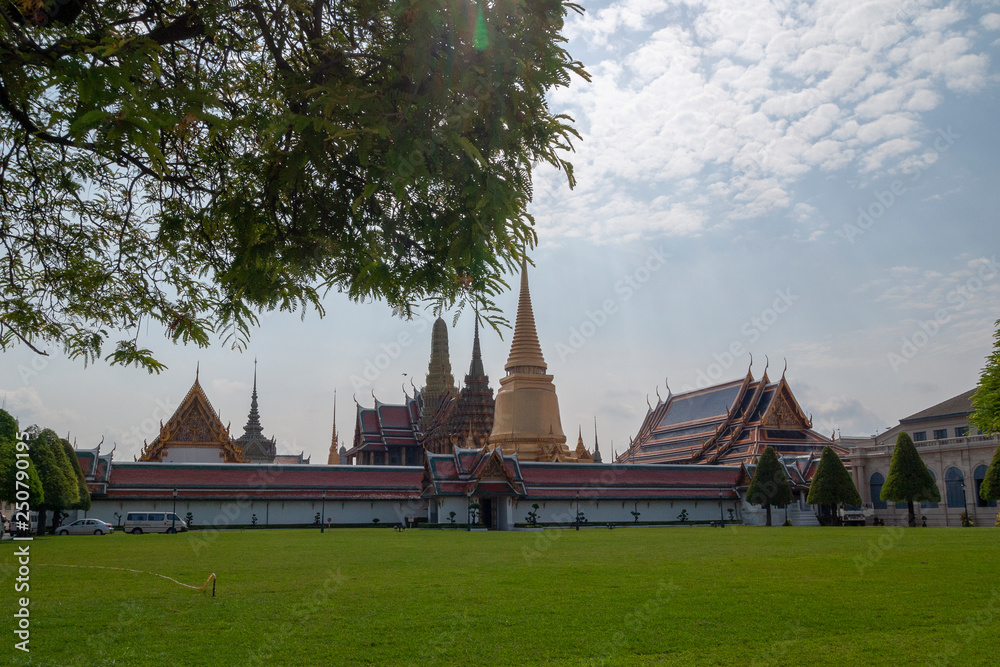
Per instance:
x=722, y=516
x=322, y=521
x=173, y=517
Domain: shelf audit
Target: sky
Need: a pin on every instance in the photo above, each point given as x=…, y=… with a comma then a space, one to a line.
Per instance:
x=816, y=184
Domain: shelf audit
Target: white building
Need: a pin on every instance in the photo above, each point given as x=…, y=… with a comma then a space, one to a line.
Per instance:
x=956, y=453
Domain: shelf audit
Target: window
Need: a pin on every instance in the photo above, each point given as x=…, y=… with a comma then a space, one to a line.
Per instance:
x=979, y=475
x=940, y=433
x=877, y=480
x=954, y=482
x=136, y=517
x=930, y=505
x=919, y=436
x=156, y=517
x=961, y=431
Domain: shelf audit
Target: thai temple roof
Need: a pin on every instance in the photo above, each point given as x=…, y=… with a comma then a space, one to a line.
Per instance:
x=202, y=481
x=731, y=422
x=387, y=424
x=194, y=423
x=465, y=472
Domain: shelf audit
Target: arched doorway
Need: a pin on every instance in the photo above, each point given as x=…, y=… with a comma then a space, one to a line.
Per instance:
x=978, y=475
x=954, y=482
x=876, y=481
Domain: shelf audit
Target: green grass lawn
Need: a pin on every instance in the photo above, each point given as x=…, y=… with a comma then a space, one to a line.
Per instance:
x=683, y=596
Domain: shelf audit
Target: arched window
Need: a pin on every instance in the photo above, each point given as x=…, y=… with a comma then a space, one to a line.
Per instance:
x=979, y=475
x=954, y=482
x=877, y=480
x=930, y=505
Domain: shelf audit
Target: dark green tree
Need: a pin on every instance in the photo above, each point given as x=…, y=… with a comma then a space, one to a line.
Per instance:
x=769, y=486
x=832, y=484
x=909, y=479
x=990, y=488
x=81, y=480
x=9, y=468
x=196, y=163
x=986, y=400
x=54, y=469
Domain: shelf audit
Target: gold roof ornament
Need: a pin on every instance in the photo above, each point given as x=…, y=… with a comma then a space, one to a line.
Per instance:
x=525, y=351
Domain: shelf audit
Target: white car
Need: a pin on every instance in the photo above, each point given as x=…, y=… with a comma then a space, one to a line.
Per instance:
x=86, y=527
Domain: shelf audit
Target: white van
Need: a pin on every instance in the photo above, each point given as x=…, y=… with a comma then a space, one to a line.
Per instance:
x=138, y=523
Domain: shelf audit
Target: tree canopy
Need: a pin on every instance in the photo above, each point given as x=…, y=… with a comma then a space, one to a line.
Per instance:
x=832, y=484
x=83, y=491
x=986, y=400
x=909, y=479
x=193, y=164
x=990, y=488
x=8, y=465
x=769, y=486
x=56, y=472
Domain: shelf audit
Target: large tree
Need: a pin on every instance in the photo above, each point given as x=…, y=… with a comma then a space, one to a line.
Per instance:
x=56, y=472
x=990, y=488
x=769, y=486
x=9, y=469
x=832, y=484
x=909, y=479
x=81, y=480
x=194, y=163
x=986, y=400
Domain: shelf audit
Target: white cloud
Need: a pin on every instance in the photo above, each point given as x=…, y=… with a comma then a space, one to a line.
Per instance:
x=717, y=109
x=25, y=405
x=990, y=21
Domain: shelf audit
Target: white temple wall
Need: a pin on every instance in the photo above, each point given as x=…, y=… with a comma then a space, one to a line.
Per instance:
x=620, y=512
x=225, y=513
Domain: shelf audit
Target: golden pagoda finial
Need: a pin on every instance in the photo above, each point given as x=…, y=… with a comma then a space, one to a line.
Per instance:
x=525, y=351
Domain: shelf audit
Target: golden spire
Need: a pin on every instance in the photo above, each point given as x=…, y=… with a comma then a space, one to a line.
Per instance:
x=525, y=352
x=334, y=457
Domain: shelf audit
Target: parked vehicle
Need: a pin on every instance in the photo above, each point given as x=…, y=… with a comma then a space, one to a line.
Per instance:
x=138, y=523
x=87, y=527
x=10, y=524
x=855, y=515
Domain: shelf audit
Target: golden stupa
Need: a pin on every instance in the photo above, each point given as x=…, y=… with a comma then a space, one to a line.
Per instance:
x=526, y=420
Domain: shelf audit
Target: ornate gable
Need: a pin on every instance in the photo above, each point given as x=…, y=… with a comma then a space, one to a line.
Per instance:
x=494, y=469
x=784, y=411
x=194, y=424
